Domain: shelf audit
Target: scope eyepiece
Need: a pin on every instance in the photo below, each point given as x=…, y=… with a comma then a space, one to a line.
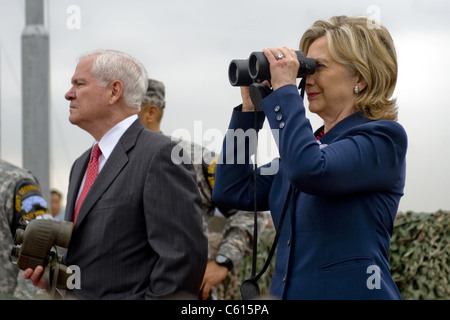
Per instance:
x=32, y=245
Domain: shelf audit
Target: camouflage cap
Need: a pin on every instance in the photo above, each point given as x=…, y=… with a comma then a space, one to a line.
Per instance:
x=155, y=93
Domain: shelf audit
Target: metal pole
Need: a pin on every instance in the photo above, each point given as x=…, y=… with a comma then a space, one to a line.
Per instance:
x=35, y=94
x=0, y=103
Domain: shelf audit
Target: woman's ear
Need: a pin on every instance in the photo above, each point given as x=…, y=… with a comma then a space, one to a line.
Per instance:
x=362, y=83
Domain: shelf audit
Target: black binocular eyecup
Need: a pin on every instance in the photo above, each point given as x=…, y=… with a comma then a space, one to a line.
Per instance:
x=244, y=72
x=238, y=74
x=258, y=66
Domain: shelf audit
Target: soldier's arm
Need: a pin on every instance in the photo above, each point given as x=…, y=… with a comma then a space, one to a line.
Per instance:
x=237, y=242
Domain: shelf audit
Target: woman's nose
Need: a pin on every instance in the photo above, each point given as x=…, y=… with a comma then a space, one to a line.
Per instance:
x=310, y=80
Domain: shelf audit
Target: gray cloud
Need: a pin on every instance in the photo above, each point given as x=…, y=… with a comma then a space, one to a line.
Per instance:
x=189, y=44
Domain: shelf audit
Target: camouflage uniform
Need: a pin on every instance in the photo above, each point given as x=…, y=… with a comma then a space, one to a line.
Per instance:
x=237, y=241
x=237, y=236
x=20, y=197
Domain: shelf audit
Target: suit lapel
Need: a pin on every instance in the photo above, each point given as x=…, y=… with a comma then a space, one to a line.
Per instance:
x=76, y=177
x=113, y=166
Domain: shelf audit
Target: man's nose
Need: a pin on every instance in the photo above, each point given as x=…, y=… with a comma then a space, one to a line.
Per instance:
x=70, y=95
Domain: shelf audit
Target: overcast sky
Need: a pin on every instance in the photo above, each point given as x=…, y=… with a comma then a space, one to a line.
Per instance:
x=189, y=44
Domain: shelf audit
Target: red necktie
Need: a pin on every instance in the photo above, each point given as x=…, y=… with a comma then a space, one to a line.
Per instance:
x=91, y=174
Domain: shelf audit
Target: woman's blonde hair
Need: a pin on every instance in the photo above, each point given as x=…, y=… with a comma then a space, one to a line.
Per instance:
x=367, y=48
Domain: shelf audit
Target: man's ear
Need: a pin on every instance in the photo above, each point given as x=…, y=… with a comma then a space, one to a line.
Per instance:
x=149, y=115
x=153, y=113
x=116, y=91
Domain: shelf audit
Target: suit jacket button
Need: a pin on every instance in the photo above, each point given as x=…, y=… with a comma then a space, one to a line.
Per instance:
x=281, y=125
x=284, y=278
x=277, y=108
x=279, y=117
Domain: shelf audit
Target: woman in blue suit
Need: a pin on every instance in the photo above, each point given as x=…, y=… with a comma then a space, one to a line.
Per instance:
x=345, y=179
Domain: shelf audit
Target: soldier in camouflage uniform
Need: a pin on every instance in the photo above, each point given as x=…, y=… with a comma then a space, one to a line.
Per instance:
x=21, y=199
x=237, y=235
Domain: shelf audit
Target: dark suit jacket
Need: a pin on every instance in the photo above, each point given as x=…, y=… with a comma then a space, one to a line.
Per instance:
x=139, y=231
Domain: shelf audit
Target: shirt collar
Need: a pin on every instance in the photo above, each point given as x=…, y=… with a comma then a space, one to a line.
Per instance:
x=109, y=141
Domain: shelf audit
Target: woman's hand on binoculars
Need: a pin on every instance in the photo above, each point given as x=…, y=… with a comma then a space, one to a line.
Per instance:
x=36, y=276
x=284, y=66
x=247, y=103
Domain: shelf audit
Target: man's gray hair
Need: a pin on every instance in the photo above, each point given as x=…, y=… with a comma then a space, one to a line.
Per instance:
x=111, y=65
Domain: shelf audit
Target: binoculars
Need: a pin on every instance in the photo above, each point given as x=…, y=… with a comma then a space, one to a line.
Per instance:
x=255, y=69
x=34, y=247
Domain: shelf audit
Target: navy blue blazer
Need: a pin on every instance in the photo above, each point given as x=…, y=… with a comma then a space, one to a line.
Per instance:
x=335, y=239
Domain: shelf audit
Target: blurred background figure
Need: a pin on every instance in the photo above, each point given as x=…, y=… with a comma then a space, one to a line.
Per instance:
x=56, y=207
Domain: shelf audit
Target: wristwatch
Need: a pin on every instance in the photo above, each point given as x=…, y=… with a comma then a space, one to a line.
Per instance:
x=224, y=261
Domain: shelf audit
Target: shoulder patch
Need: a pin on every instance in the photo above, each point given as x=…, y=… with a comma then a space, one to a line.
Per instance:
x=29, y=203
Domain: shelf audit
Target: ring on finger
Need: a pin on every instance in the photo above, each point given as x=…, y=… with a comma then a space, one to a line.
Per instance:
x=279, y=56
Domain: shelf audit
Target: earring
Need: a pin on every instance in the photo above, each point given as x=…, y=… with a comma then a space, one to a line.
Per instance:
x=356, y=89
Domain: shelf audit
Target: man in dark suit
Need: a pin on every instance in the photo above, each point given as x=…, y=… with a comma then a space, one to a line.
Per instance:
x=138, y=232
